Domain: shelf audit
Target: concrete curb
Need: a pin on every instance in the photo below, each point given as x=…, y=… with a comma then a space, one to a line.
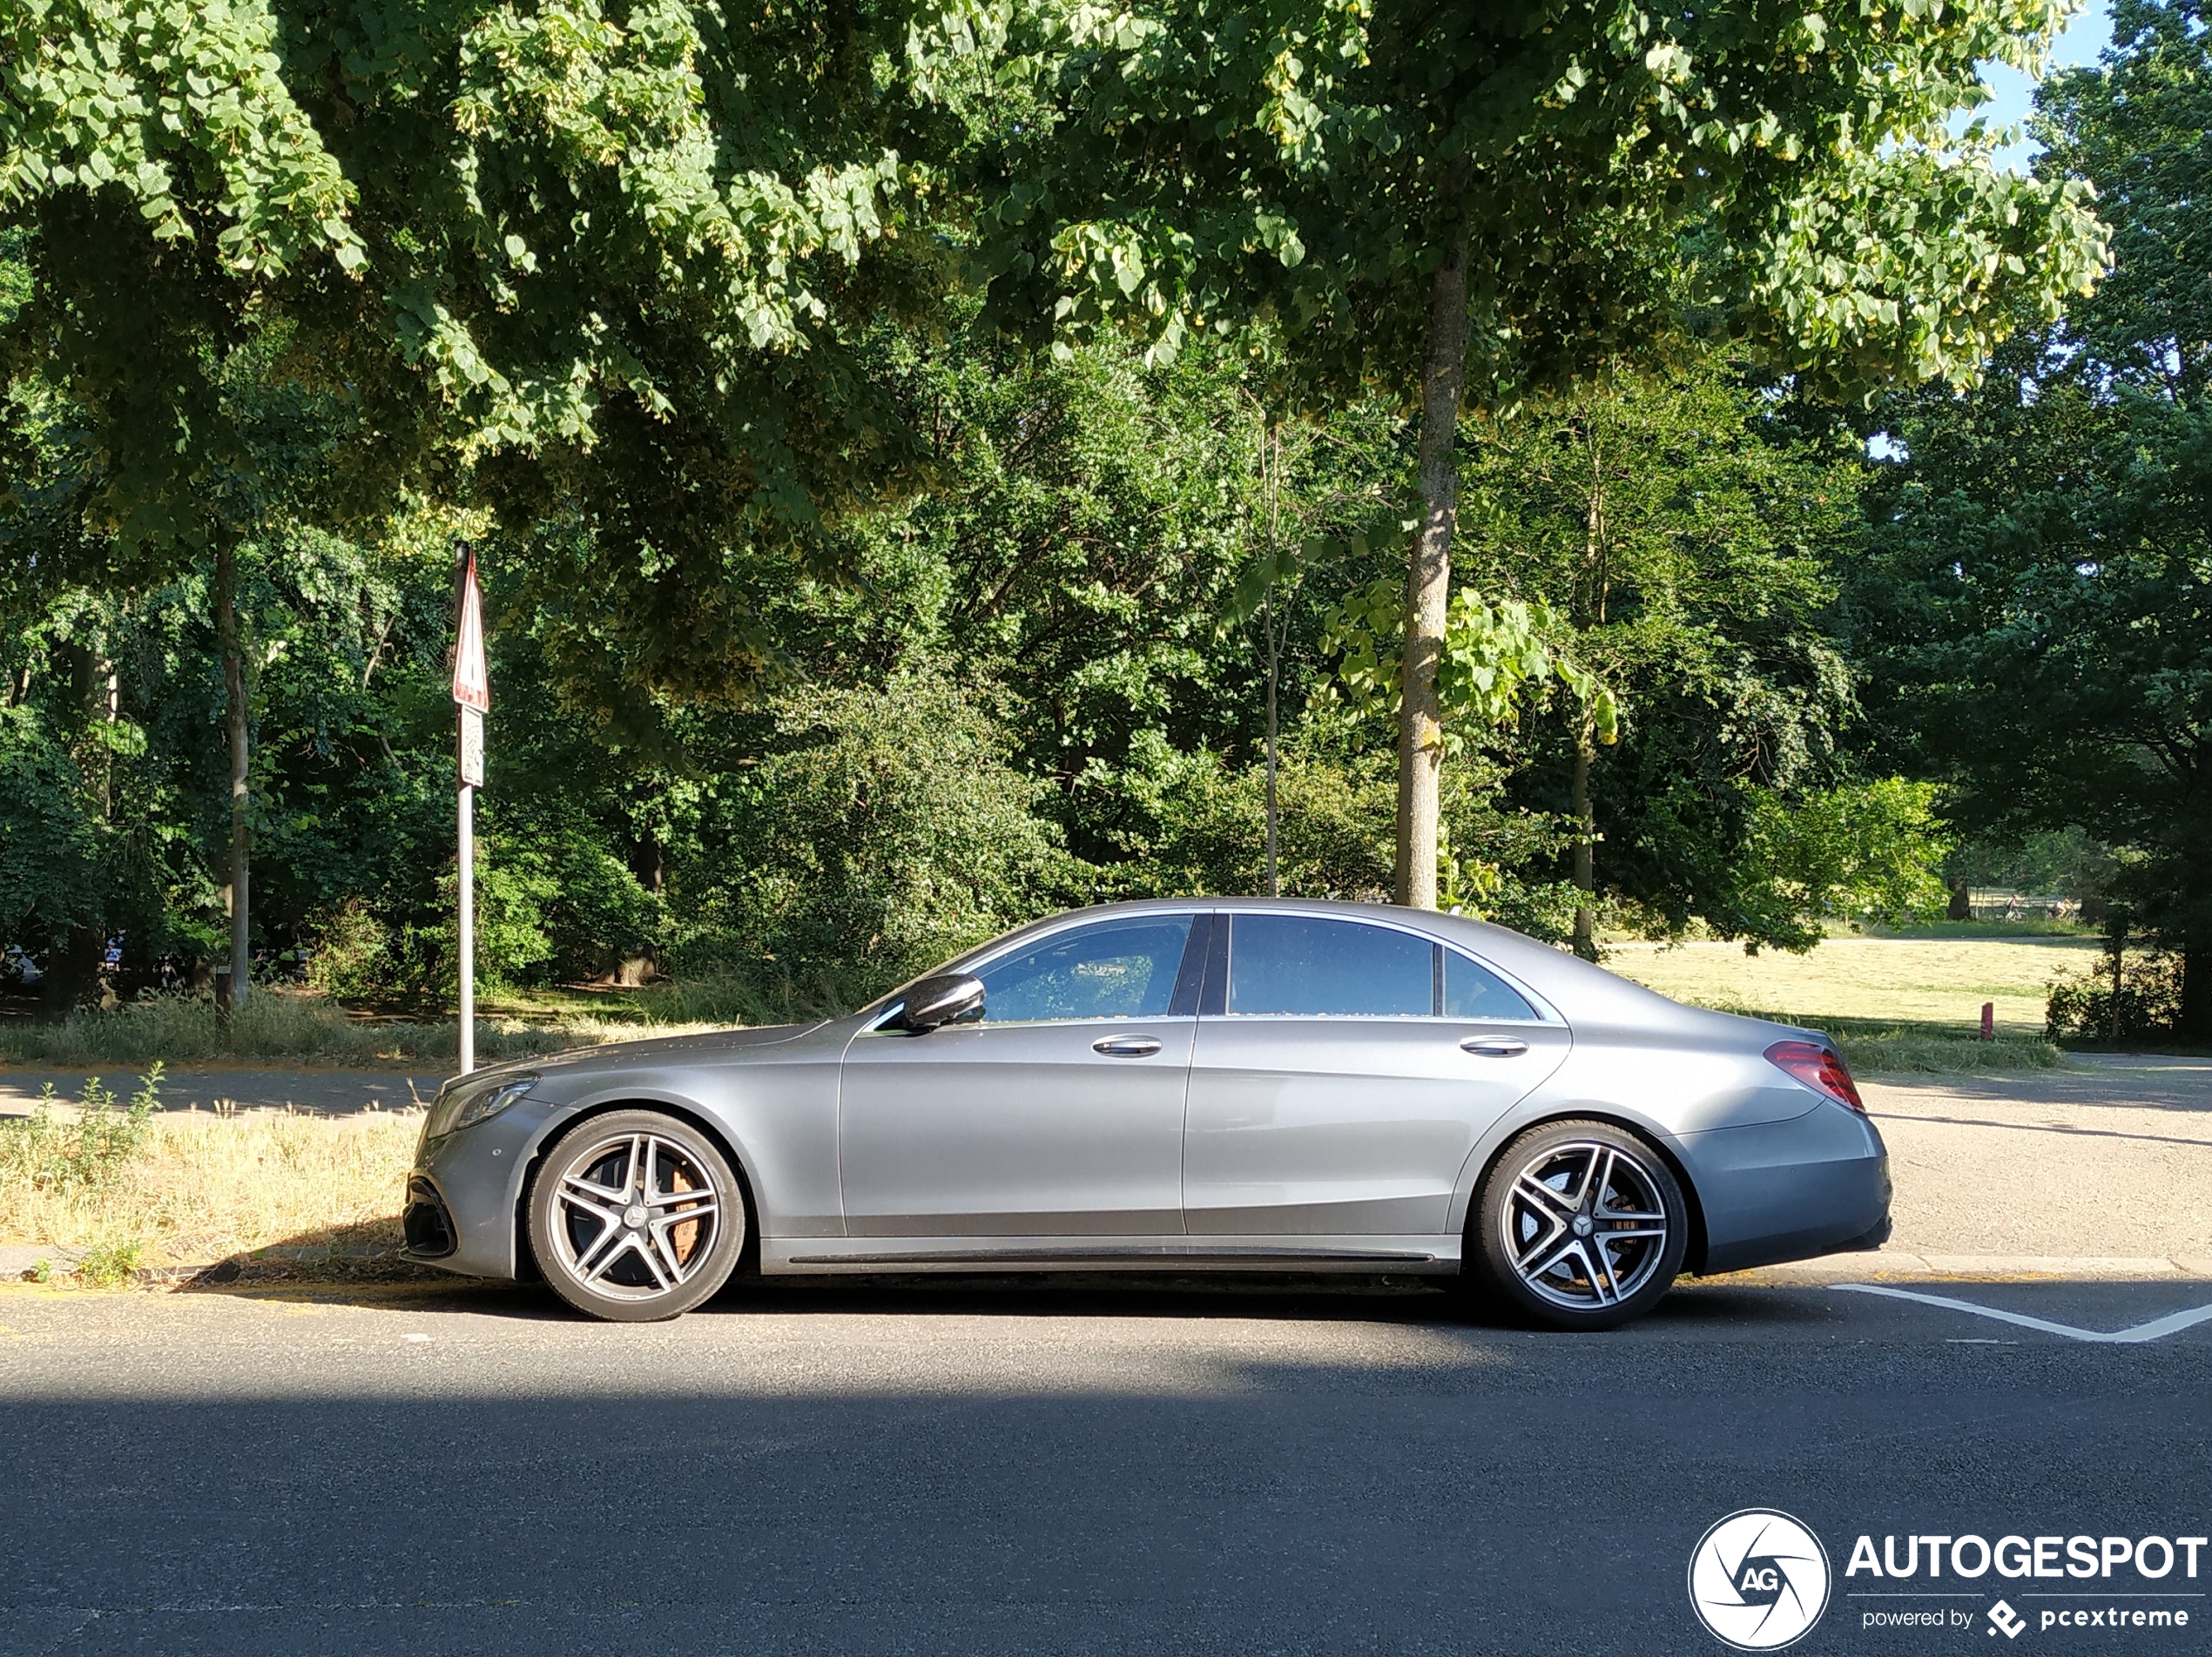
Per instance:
x=1887, y=1265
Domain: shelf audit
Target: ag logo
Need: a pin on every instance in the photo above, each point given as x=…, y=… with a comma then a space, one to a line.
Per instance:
x=1758, y=1580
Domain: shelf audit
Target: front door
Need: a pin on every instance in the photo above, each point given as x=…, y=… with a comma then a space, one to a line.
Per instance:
x=1059, y=1115
x=1339, y=1084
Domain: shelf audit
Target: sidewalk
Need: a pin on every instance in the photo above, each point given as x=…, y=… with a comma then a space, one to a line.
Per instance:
x=332, y=1091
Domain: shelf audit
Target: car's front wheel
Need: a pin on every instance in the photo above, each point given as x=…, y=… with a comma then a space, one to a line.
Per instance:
x=636, y=1216
x=1581, y=1225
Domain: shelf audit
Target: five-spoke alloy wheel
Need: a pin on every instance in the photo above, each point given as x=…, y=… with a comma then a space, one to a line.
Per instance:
x=1581, y=1224
x=634, y=1216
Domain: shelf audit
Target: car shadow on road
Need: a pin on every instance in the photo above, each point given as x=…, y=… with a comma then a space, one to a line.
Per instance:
x=1283, y=1297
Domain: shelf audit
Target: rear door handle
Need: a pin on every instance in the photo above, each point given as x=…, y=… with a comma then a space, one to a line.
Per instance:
x=1126, y=1046
x=1495, y=1046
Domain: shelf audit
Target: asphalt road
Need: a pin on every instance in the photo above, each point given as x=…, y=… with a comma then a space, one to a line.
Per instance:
x=1209, y=1467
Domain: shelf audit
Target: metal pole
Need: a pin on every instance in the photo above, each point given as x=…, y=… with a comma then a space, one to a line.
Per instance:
x=468, y=940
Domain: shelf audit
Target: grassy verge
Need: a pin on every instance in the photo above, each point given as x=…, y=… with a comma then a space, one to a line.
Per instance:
x=321, y=1194
x=289, y=1024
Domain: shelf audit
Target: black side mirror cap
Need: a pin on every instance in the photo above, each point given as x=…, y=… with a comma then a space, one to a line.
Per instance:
x=949, y=998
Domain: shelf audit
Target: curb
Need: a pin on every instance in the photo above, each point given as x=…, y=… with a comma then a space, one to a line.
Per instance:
x=1886, y=1265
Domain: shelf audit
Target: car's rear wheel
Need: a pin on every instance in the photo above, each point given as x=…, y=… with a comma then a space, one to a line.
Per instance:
x=636, y=1216
x=1581, y=1225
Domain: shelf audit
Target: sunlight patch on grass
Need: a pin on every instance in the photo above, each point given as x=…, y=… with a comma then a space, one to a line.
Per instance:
x=208, y=1185
x=1937, y=984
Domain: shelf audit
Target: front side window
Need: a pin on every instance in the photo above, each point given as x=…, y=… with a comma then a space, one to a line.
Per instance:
x=1292, y=966
x=1117, y=969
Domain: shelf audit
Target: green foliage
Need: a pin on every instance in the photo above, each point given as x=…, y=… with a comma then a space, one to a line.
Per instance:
x=87, y=1153
x=881, y=831
x=2037, y=617
x=1204, y=163
x=2081, y=1005
x=111, y=1264
x=1862, y=852
x=1494, y=655
x=48, y=856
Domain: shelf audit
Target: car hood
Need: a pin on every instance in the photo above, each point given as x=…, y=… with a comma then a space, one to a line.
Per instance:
x=672, y=1047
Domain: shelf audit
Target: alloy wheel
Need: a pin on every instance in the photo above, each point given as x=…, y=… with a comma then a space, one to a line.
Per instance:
x=635, y=1215
x=1585, y=1225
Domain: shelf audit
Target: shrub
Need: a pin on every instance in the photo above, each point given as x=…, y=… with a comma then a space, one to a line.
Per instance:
x=87, y=1155
x=884, y=831
x=2080, y=1004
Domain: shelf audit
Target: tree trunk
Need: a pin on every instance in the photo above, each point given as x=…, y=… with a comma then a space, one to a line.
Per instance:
x=2195, y=1024
x=241, y=824
x=1428, y=585
x=1585, y=843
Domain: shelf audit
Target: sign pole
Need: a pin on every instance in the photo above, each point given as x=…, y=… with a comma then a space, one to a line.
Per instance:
x=468, y=929
x=472, y=694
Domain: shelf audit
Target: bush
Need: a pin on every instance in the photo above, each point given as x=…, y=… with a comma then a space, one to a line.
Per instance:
x=88, y=1154
x=883, y=832
x=2080, y=1004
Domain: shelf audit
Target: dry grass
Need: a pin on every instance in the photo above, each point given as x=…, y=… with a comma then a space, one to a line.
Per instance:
x=281, y=1024
x=1940, y=984
x=1896, y=1005
x=207, y=1185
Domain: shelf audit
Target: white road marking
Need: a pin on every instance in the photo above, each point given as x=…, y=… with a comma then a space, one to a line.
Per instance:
x=2157, y=1328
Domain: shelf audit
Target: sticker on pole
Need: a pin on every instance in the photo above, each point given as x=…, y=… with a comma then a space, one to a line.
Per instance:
x=471, y=685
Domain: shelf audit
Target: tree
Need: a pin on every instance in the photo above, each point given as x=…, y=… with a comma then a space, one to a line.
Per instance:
x=1465, y=202
x=1688, y=533
x=2038, y=613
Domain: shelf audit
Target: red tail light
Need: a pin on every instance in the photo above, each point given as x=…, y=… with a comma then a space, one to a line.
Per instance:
x=1818, y=1067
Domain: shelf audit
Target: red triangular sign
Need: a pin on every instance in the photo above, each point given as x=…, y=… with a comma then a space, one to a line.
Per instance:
x=471, y=686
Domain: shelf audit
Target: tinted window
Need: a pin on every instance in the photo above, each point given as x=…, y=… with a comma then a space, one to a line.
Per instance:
x=1473, y=991
x=1287, y=964
x=1118, y=969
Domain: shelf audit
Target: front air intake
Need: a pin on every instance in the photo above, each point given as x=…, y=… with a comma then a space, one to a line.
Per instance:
x=427, y=1225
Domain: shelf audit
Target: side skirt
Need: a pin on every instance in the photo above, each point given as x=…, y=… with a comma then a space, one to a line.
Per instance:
x=1437, y=1256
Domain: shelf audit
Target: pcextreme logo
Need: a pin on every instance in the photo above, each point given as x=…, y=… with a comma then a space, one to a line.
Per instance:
x=1758, y=1580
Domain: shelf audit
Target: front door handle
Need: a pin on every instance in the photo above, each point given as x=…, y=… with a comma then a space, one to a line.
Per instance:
x=1495, y=1046
x=1126, y=1046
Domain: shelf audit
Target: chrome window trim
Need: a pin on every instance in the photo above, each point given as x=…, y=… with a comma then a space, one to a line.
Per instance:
x=1548, y=1016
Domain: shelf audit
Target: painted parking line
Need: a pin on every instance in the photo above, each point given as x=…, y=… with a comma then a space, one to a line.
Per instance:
x=2157, y=1328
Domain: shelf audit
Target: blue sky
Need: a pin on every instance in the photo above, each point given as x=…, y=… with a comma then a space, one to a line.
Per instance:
x=2014, y=94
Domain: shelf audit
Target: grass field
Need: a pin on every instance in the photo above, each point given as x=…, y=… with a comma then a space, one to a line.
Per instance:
x=1896, y=1005
x=1937, y=983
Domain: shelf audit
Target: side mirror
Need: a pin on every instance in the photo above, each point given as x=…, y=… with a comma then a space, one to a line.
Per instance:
x=949, y=998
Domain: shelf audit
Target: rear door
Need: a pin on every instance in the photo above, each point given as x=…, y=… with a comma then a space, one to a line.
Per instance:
x=1342, y=1073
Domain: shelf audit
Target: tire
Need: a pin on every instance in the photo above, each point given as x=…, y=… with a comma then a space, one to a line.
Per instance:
x=636, y=1217
x=1581, y=1225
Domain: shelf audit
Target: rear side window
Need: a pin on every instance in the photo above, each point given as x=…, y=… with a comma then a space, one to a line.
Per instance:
x=1118, y=969
x=1473, y=991
x=1292, y=966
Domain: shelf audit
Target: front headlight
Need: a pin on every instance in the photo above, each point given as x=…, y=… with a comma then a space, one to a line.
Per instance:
x=464, y=1103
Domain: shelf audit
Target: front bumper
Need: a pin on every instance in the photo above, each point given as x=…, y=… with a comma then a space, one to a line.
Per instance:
x=1774, y=1191
x=477, y=1177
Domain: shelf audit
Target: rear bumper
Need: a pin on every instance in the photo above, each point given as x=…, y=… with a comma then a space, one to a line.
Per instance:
x=1774, y=1191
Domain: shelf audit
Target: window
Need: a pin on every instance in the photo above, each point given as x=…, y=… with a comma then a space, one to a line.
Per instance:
x=1291, y=966
x=1118, y=969
x=1473, y=991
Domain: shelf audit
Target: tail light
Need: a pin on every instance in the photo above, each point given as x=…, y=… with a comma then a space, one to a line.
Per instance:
x=1819, y=1068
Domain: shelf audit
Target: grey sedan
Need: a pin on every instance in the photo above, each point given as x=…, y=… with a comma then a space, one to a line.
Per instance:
x=1203, y=1084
